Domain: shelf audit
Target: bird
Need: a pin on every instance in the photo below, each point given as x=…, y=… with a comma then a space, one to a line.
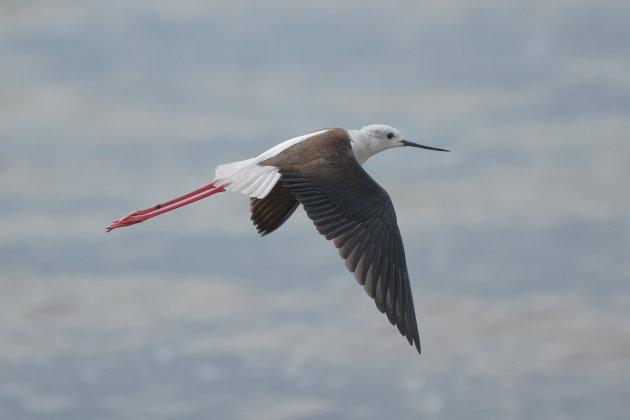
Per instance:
x=322, y=171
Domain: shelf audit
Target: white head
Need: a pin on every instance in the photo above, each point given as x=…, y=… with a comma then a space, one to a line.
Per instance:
x=375, y=138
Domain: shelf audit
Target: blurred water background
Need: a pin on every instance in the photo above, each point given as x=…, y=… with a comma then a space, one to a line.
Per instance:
x=517, y=241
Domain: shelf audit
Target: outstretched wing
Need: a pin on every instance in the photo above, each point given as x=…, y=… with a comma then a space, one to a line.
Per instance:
x=348, y=207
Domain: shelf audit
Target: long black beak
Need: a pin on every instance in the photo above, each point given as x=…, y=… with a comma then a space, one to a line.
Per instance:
x=410, y=143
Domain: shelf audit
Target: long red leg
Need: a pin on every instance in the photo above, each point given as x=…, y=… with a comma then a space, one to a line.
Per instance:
x=139, y=216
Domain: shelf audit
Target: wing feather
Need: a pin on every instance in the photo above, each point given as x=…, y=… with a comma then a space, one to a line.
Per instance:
x=272, y=211
x=368, y=239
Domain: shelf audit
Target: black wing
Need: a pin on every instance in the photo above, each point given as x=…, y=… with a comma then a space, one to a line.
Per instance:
x=272, y=211
x=349, y=207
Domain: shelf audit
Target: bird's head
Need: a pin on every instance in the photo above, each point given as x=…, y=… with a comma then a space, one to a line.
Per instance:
x=375, y=138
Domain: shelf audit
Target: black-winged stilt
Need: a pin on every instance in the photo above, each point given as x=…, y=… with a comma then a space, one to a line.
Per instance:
x=322, y=171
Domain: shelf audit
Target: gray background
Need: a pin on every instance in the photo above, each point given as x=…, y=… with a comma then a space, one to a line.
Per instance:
x=517, y=241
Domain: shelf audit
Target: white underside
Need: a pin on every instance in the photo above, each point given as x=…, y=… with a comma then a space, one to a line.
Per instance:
x=247, y=177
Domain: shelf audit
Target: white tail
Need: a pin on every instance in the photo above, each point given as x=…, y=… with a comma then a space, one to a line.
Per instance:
x=247, y=177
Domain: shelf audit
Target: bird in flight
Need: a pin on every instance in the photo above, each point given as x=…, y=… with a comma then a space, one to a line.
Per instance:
x=322, y=172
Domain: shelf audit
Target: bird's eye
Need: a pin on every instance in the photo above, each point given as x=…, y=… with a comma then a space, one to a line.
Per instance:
x=390, y=135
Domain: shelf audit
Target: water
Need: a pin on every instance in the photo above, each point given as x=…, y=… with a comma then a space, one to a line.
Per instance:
x=517, y=241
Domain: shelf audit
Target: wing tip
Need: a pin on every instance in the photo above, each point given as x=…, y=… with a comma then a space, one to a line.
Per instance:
x=416, y=342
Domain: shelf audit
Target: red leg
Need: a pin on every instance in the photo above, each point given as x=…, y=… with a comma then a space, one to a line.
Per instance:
x=139, y=216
